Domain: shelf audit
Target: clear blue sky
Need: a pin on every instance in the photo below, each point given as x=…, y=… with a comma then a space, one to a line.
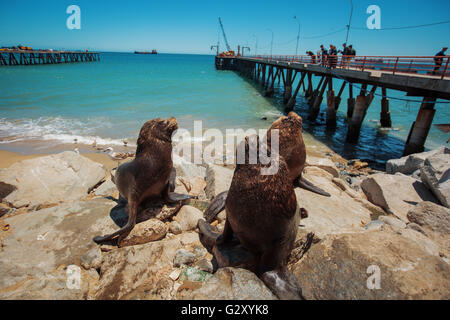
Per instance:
x=191, y=26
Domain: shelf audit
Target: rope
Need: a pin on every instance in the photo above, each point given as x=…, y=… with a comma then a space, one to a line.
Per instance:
x=406, y=27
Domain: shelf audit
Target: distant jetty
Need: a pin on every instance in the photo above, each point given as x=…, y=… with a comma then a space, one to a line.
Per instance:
x=19, y=56
x=146, y=52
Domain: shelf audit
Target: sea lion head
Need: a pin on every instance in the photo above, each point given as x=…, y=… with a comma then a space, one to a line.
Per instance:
x=156, y=131
x=290, y=123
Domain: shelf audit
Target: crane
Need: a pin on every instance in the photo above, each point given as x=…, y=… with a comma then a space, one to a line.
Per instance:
x=224, y=35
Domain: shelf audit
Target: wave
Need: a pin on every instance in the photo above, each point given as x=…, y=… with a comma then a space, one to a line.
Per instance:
x=61, y=130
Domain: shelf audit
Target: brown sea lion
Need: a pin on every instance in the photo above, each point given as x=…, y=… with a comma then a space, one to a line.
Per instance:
x=291, y=148
x=263, y=214
x=149, y=175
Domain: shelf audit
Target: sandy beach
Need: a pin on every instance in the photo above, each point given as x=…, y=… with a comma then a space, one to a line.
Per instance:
x=7, y=158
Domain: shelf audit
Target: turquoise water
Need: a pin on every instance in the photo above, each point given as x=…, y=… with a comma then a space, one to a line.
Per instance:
x=108, y=101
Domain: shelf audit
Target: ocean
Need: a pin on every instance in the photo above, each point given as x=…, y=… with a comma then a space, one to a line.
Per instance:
x=43, y=108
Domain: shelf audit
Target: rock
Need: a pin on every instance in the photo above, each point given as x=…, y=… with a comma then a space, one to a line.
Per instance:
x=229, y=284
x=199, y=204
x=144, y=232
x=222, y=216
x=435, y=174
x=374, y=225
x=358, y=165
x=415, y=226
x=204, y=265
x=43, y=241
x=194, y=275
x=435, y=221
x=92, y=259
x=188, y=169
x=416, y=174
x=218, y=179
x=397, y=223
x=421, y=240
x=396, y=194
x=175, y=274
x=51, y=286
x=106, y=189
x=198, y=185
x=323, y=163
x=188, y=218
x=51, y=179
x=409, y=164
x=340, y=213
x=4, y=211
x=159, y=210
x=175, y=227
x=338, y=268
x=183, y=257
x=128, y=270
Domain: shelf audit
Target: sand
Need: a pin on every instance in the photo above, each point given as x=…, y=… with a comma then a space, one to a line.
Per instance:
x=7, y=158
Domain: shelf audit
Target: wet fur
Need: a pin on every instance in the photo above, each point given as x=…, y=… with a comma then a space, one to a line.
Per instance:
x=262, y=212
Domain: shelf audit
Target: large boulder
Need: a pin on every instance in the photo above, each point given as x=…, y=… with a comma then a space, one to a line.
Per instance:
x=218, y=179
x=323, y=163
x=147, y=231
x=187, y=169
x=340, y=213
x=435, y=221
x=51, y=179
x=345, y=267
x=40, y=244
x=396, y=194
x=229, y=284
x=435, y=174
x=126, y=272
x=188, y=218
x=409, y=164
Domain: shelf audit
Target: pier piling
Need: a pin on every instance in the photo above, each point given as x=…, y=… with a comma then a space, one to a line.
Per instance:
x=385, y=115
x=359, y=113
x=420, y=128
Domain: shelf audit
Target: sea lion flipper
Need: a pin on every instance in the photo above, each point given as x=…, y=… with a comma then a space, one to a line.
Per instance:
x=207, y=235
x=216, y=206
x=125, y=230
x=173, y=197
x=283, y=284
x=305, y=184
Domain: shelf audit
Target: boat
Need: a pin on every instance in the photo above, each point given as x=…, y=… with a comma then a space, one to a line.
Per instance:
x=146, y=52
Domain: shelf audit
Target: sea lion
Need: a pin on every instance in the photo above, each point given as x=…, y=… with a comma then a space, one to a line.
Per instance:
x=149, y=175
x=263, y=214
x=291, y=148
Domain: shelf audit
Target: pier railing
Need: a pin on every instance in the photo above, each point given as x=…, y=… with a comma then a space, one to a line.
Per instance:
x=386, y=64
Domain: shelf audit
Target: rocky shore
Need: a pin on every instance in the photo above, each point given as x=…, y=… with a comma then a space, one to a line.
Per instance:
x=381, y=235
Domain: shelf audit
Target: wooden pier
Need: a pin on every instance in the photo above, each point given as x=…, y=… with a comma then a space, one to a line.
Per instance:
x=33, y=57
x=416, y=76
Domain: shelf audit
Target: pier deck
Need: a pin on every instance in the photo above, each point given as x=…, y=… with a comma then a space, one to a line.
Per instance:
x=33, y=57
x=416, y=76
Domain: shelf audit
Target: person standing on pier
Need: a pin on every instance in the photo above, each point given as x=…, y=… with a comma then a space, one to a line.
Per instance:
x=351, y=53
x=312, y=55
x=345, y=55
x=332, y=57
x=324, y=54
x=438, y=59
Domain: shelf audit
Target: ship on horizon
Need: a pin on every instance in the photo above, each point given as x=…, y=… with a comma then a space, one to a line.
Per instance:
x=146, y=52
